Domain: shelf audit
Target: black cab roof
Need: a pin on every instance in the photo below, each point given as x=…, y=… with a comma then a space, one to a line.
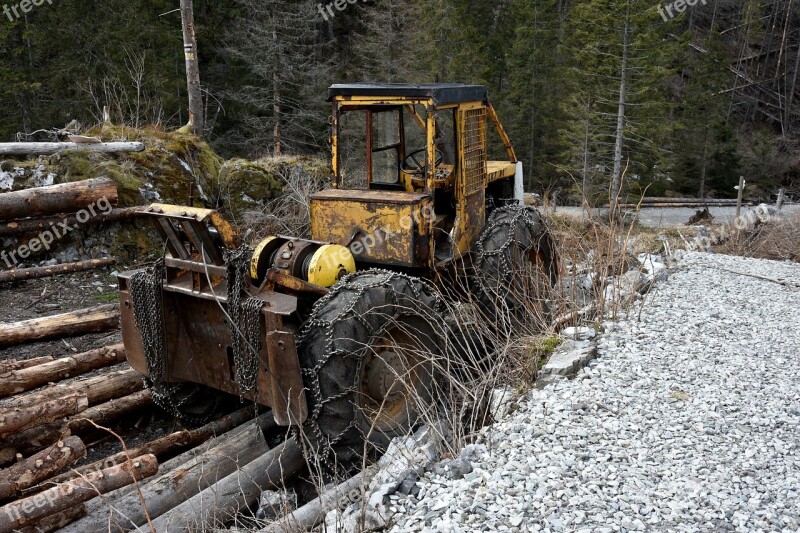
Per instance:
x=441, y=93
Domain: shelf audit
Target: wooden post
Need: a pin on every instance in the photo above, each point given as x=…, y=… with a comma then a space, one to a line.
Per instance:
x=196, y=119
x=740, y=188
x=781, y=195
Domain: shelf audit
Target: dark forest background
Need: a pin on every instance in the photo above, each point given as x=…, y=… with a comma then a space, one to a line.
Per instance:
x=693, y=102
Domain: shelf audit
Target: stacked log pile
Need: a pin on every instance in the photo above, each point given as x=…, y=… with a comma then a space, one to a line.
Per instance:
x=52, y=410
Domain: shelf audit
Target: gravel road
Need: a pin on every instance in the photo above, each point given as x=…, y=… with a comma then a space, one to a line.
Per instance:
x=688, y=421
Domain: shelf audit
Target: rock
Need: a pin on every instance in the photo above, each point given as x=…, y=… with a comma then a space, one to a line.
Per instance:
x=500, y=401
x=579, y=333
x=634, y=281
x=453, y=469
x=273, y=504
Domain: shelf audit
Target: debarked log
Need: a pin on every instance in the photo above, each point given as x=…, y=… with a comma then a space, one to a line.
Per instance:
x=92, y=194
x=26, y=379
x=55, y=270
x=101, y=318
x=28, y=510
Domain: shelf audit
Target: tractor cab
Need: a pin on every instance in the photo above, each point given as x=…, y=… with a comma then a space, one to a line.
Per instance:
x=412, y=181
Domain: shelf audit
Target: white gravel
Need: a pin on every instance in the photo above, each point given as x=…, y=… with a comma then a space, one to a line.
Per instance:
x=688, y=421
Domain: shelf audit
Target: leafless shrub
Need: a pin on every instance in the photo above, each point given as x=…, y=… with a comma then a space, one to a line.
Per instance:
x=289, y=214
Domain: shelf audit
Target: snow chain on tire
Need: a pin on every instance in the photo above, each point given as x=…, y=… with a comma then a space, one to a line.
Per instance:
x=338, y=333
x=511, y=233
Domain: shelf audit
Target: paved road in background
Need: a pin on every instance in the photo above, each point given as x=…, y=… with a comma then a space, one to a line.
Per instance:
x=678, y=216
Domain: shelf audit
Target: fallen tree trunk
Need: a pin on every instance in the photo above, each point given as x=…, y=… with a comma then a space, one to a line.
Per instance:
x=101, y=318
x=56, y=521
x=10, y=366
x=97, y=389
x=50, y=148
x=161, y=494
x=112, y=410
x=63, y=198
x=28, y=510
x=166, y=445
x=55, y=270
x=37, y=225
x=33, y=440
x=313, y=513
x=101, y=506
x=224, y=499
x=41, y=466
x=23, y=380
x=18, y=419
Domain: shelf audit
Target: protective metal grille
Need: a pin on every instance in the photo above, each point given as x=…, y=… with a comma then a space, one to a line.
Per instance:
x=474, y=150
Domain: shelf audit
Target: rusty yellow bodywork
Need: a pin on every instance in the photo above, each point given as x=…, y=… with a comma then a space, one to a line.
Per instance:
x=379, y=227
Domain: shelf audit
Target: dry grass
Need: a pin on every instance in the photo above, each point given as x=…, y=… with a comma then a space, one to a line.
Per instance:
x=776, y=239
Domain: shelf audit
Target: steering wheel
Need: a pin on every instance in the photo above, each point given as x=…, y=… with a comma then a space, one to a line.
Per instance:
x=412, y=166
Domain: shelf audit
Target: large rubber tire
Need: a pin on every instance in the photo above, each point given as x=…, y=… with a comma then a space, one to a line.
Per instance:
x=368, y=318
x=515, y=266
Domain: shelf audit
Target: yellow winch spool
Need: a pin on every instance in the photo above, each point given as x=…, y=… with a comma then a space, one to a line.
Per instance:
x=329, y=264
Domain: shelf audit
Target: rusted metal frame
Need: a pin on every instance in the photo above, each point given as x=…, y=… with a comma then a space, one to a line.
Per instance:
x=335, y=144
x=202, y=242
x=431, y=142
x=369, y=148
x=174, y=244
x=287, y=390
x=194, y=266
x=501, y=131
x=418, y=119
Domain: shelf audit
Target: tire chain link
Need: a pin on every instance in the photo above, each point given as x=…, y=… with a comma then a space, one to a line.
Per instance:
x=325, y=444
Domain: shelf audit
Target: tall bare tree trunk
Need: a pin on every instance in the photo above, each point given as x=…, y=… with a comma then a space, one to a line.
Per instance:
x=196, y=118
x=276, y=96
x=616, y=182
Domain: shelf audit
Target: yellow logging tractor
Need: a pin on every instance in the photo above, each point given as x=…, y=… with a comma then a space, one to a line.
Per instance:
x=338, y=334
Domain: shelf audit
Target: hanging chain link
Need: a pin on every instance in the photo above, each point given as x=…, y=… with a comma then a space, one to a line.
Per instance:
x=245, y=321
x=148, y=313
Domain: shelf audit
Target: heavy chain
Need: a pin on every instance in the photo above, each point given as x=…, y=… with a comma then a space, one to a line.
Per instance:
x=245, y=321
x=148, y=313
